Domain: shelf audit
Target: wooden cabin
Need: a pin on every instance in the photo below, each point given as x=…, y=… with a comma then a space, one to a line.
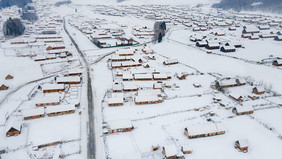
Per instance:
x=277, y=62
x=143, y=77
x=149, y=99
x=33, y=113
x=228, y=49
x=9, y=77
x=46, y=101
x=170, y=152
x=236, y=96
x=60, y=110
x=120, y=126
x=55, y=47
x=3, y=87
x=160, y=77
x=258, y=90
x=68, y=80
x=242, y=145
x=242, y=110
x=115, y=101
x=186, y=149
x=170, y=62
x=13, y=128
x=204, y=130
x=212, y=46
x=278, y=38
x=130, y=87
x=51, y=88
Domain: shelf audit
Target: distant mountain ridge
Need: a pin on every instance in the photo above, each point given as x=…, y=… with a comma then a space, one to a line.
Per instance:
x=9, y=3
x=274, y=6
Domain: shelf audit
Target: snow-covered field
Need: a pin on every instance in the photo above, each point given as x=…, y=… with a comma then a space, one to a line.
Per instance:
x=189, y=92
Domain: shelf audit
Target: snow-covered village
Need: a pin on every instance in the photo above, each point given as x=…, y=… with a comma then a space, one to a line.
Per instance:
x=139, y=79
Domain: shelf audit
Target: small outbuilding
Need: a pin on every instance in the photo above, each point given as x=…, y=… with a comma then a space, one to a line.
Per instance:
x=9, y=77
x=170, y=152
x=258, y=90
x=242, y=145
x=241, y=110
x=3, y=87
x=13, y=128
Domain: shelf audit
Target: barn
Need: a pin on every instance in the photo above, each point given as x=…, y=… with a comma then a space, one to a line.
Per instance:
x=241, y=110
x=33, y=113
x=228, y=49
x=197, y=131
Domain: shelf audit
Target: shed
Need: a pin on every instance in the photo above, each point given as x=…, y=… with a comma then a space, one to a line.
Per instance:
x=186, y=149
x=241, y=110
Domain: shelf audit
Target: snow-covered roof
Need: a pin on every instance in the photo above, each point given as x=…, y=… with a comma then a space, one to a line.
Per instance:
x=170, y=150
x=236, y=95
x=161, y=75
x=129, y=86
x=33, y=112
x=49, y=86
x=119, y=124
x=243, y=142
x=169, y=61
x=153, y=92
x=143, y=76
x=117, y=87
x=115, y=100
x=68, y=79
x=16, y=124
x=148, y=98
x=129, y=156
x=227, y=82
x=260, y=89
x=60, y=108
x=242, y=109
x=205, y=129
x=48, y=99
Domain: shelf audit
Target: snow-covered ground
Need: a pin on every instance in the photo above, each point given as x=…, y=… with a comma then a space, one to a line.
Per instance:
x=193, y=101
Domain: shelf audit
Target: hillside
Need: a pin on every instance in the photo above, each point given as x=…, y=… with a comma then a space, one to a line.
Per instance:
x=19, y=3
x=274, y=6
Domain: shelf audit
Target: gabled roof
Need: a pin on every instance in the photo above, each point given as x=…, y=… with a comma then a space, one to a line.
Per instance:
x=243, y=109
